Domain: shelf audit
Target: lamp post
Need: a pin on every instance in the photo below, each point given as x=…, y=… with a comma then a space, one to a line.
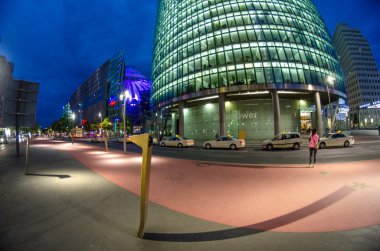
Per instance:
x=73, y=117
x=100, y=123
x=124, y=98
x=330, y=81
x=72, y=130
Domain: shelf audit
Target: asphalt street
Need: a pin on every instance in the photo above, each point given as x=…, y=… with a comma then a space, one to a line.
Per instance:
x=79, y=197
x=365, y=148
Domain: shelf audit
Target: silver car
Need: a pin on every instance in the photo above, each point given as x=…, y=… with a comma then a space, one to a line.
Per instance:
x=284, y=140
x=336, y=139
x=225, y=142
x=177, y=142
x=97, y=140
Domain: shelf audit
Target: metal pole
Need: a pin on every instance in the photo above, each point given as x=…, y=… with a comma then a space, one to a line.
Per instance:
x=124, y=140
x=27, y=156
x=330, y=107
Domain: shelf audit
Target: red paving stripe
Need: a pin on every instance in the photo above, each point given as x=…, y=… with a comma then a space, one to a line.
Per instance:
x=330, y=197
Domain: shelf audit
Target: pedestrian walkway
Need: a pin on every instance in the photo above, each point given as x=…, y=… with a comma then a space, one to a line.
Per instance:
x=80, y=197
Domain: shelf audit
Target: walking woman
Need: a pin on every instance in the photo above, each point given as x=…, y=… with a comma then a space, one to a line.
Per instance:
x=313, y=146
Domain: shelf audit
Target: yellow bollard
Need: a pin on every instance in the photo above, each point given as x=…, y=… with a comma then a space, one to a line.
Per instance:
x=106, y=143
x=106, y=140
x=146, y=143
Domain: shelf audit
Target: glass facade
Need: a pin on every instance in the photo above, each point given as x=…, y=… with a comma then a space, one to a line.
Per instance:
x=100, y=94
x=115, y=74
x=209, y=46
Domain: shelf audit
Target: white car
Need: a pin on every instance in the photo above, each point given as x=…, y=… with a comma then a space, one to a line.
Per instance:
x=121, y=140
x=284, y=140
x=3, y=139
x=225, y=142
x=177, y=142
x=97, y=140
x=336, y=139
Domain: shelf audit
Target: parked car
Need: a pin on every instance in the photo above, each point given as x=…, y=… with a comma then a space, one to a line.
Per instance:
x=97, y=140
x=3, y=139
x=336, y=139
x=226, y=142
x=177, y=142
x=121, y=139
x=284, y=140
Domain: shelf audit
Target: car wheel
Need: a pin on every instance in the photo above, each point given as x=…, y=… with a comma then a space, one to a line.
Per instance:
x=322, y=145
x=162, y=144
x=208, y=146
x=296, y=146
x=270, y=147
x=346, y=144
x=180, y=145
x=233, y=147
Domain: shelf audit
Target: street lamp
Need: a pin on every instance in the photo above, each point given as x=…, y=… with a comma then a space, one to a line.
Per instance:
x=330, y=81
x=73, y=117
x=100, y=116
x=124, y=98
x=72, y=130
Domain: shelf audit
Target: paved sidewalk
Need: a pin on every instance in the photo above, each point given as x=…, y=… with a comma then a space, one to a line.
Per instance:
x=81, y=198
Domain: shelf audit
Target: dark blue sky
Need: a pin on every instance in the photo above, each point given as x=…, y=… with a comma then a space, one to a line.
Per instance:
x=59, y=43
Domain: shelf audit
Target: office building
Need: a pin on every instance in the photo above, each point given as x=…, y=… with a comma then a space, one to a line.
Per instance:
x=250, y=69
x=18, y=99
x=361, y=75
x=98, y=97
x=6, y=76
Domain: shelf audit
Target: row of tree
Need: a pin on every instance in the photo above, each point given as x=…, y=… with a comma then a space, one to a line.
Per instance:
x=65, y=123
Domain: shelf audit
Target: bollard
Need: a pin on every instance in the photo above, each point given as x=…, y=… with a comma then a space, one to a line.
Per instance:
x=106, y=140
x=27, y=156
x=146, y=143
x=106, y=143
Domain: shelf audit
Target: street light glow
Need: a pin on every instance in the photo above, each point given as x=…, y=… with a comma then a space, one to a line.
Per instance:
x=330, y=80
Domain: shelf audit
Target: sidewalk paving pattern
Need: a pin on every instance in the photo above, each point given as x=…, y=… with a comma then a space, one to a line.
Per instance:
x=196, y=201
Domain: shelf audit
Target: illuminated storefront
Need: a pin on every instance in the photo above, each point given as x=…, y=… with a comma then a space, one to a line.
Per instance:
x=369, y=115
x=251, y=68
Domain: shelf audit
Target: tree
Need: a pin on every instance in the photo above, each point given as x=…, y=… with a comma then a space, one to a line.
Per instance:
x=106, y=125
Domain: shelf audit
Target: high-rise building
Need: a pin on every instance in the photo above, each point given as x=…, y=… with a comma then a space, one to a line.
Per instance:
x=361, y=75
x=6, y=76
x=249, y=68
x=18, y=99
x=96, y=97
x=99, y=96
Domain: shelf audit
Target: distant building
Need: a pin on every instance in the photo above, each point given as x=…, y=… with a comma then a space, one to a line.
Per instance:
x=18, y=99
x=6, y=76
x=98, y=97
x=361, y=75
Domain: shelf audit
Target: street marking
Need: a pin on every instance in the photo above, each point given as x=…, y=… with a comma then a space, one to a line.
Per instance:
x=225, y=156
x=360, y=186
x=326, y=173
x=167, y=151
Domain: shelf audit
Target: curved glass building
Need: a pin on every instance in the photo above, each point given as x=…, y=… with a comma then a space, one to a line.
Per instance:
x=249, y=68
x=98, y=97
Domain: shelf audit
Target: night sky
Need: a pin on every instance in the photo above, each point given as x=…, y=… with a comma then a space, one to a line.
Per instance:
x=60, y=43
